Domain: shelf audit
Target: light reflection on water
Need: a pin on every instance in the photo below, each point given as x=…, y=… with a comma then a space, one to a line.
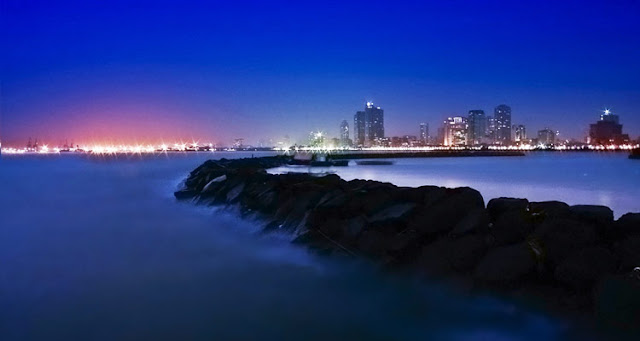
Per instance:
x=98, y=249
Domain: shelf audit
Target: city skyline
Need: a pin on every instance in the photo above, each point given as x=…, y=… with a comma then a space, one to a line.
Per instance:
x=117, y=73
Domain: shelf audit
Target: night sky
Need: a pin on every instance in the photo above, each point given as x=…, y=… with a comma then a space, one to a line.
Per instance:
x=151, y=71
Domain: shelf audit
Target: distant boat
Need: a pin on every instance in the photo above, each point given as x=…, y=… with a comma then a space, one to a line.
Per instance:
x=635, y=154
x=374, y=163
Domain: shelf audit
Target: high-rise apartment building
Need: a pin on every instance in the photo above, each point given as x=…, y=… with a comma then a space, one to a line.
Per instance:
x=477, y=127
x=502, y=115
x=424, y=133
x=455, y=131
x=368, y=125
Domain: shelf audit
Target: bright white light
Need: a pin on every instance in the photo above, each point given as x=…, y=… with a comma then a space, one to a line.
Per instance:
x=607, y=111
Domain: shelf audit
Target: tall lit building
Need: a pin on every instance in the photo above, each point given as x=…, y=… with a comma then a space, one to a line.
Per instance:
x=440, y=135
x=519, y=133
x=608, y=130
x=368, y=125
x=344, y=133
x=490, y=132
x=477, y=127
x=455, y=131
x=546, y=137
x=316, y=139
x=359, y=127
x=502, y=115
x=424, y=133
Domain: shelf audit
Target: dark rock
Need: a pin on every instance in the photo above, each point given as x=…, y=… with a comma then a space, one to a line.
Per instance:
x=373, y=243
x=511, y=227
x=498, y=206
x=371, y=202
x=593, y=213
x=562, y=237
x=396, y=211
x=506, y=265
x=353, y=227
x=475, y=221
x=628, y=224
x=334, y=198
x=433, y=259
x=549, y=209
x=628, y=251
x=466, y=252
x=411, y=194
x=433, y=194
x=443, y=216
x=234, y=193
x=446, y=255
x=212, y=185
x=584, y=267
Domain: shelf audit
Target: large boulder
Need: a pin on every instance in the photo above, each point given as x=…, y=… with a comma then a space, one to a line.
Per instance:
x=442, y=216
x=212, y=185
x=506, y=265
x=593, y=213
x=549, y=209
x=628, y=251
x=433, y=258
x=628, y=225
x=233, y=195
x=511, y=227
x=465, y=252
x=393, y=212
x=562, y=237
x=474, y=222
x=583, y=268
x=498, y=206
x=373, y=243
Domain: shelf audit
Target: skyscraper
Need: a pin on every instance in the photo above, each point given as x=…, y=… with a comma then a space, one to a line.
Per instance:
x=477, y=127
x=520, y=133
x=359, y=128
x=502, y=115
x=546, y=137
x=424, y=133
x=344, y=133
x=490, y=133
x=455, y=131
x=608, y=130
x=369, y=125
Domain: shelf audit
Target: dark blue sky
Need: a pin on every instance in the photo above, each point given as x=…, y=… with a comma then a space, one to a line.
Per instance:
x=147, y=71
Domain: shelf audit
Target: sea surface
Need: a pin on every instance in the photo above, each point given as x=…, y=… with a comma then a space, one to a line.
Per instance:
x=97, y=248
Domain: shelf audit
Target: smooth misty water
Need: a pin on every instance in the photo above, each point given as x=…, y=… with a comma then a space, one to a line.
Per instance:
x=98, y=249
x=609, y=179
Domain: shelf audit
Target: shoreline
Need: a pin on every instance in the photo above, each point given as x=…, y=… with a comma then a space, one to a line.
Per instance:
x=577, y=259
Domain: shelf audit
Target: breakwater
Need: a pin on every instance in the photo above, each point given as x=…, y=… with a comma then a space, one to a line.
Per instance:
x=575, y=258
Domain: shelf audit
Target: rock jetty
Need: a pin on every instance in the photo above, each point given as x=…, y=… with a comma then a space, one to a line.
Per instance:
x=571, y=258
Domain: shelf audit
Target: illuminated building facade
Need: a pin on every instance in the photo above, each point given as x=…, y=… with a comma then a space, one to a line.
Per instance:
x=519, y=134
x=607, y=131
x=369, y=125
x=477, y=122
x=424, y=133
x=455, y=131
x=546, y=137
x=502, y=115
x=344, y=133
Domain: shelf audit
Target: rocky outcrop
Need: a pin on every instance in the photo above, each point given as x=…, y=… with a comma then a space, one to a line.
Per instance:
x=509, y=245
